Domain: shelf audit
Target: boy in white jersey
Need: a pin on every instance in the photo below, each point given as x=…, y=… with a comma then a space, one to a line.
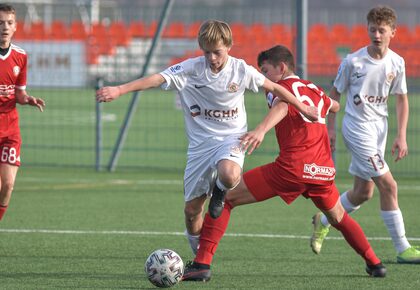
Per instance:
x=369, y=76
x=212, y=89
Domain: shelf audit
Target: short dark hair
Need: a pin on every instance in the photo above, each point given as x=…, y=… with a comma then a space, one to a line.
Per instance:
x=276, y=55
x=6, y=7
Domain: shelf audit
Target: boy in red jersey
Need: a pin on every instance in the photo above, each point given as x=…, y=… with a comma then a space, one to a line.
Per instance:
x=304, y=167
x=13, y=63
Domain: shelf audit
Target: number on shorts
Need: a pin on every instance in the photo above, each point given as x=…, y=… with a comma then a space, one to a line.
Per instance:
x=8, y=155
x=377, y=162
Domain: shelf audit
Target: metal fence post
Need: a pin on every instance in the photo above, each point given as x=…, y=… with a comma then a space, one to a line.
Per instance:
x=98, y=127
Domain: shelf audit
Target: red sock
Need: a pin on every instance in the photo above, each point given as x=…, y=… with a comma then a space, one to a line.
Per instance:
x=211, y=234
x=355, y=236
x=3, y=209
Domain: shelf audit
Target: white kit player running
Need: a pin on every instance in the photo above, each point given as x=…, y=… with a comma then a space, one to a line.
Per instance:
x=212, y=90
x=369, y=76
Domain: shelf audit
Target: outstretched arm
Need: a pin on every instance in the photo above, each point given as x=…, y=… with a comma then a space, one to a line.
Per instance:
x=253, y=139
x=108, y=94
x=23, y=98
x=309, y=112
x=400, y=143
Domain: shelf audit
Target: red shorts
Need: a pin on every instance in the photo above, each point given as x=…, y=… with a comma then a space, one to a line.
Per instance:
x=10, y=149
x=324, y=196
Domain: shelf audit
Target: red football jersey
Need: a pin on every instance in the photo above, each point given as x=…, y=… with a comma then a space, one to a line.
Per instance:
x=12, y=76
x=305, y=153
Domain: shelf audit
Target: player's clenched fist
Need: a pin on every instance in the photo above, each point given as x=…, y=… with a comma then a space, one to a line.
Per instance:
x=107, y=94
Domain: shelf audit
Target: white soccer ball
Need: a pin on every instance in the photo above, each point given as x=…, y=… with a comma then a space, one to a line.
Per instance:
x=164, y=268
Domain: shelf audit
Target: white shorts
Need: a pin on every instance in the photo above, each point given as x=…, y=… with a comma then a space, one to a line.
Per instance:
x=366, y=143
x=201, y=170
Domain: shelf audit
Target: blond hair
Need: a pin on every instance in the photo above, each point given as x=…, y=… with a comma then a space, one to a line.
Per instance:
x=382, y=14
x=212, y=32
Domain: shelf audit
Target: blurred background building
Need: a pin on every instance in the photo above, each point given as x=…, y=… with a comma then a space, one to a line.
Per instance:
x=118, y=31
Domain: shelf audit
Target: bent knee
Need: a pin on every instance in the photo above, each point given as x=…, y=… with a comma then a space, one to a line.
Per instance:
x=230, y=180
x=364, y=195
x=229, y=173
x=334, y=220
x=334, y=217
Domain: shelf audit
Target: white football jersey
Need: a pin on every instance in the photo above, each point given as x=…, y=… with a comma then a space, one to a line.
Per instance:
x=213, y=104
x=369, y=82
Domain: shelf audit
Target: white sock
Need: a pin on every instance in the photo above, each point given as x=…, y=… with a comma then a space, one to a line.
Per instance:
x=348, y=206
x=193, y=240
x=325, y=221
x=394, y=222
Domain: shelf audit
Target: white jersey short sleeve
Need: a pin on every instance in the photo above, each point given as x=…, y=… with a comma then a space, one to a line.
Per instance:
x=369, y=82
x=213, y=104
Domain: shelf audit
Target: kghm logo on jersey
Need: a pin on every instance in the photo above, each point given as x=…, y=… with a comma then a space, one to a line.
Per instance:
x=214, y=114
x=357, y=100
x=318, y=172
x=233, y=87
x=195, y=110
x=221, y=115
x=375, y=99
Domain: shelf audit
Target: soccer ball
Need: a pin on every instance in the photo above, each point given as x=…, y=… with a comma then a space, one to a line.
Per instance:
x=164, y=268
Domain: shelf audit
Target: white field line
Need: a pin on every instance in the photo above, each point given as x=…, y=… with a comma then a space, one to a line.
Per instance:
x=149, y=233
x=120, y=181
x=89, y=183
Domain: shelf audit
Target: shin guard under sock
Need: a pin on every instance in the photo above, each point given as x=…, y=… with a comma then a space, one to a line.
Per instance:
x=356, y=238
x=211, y=234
